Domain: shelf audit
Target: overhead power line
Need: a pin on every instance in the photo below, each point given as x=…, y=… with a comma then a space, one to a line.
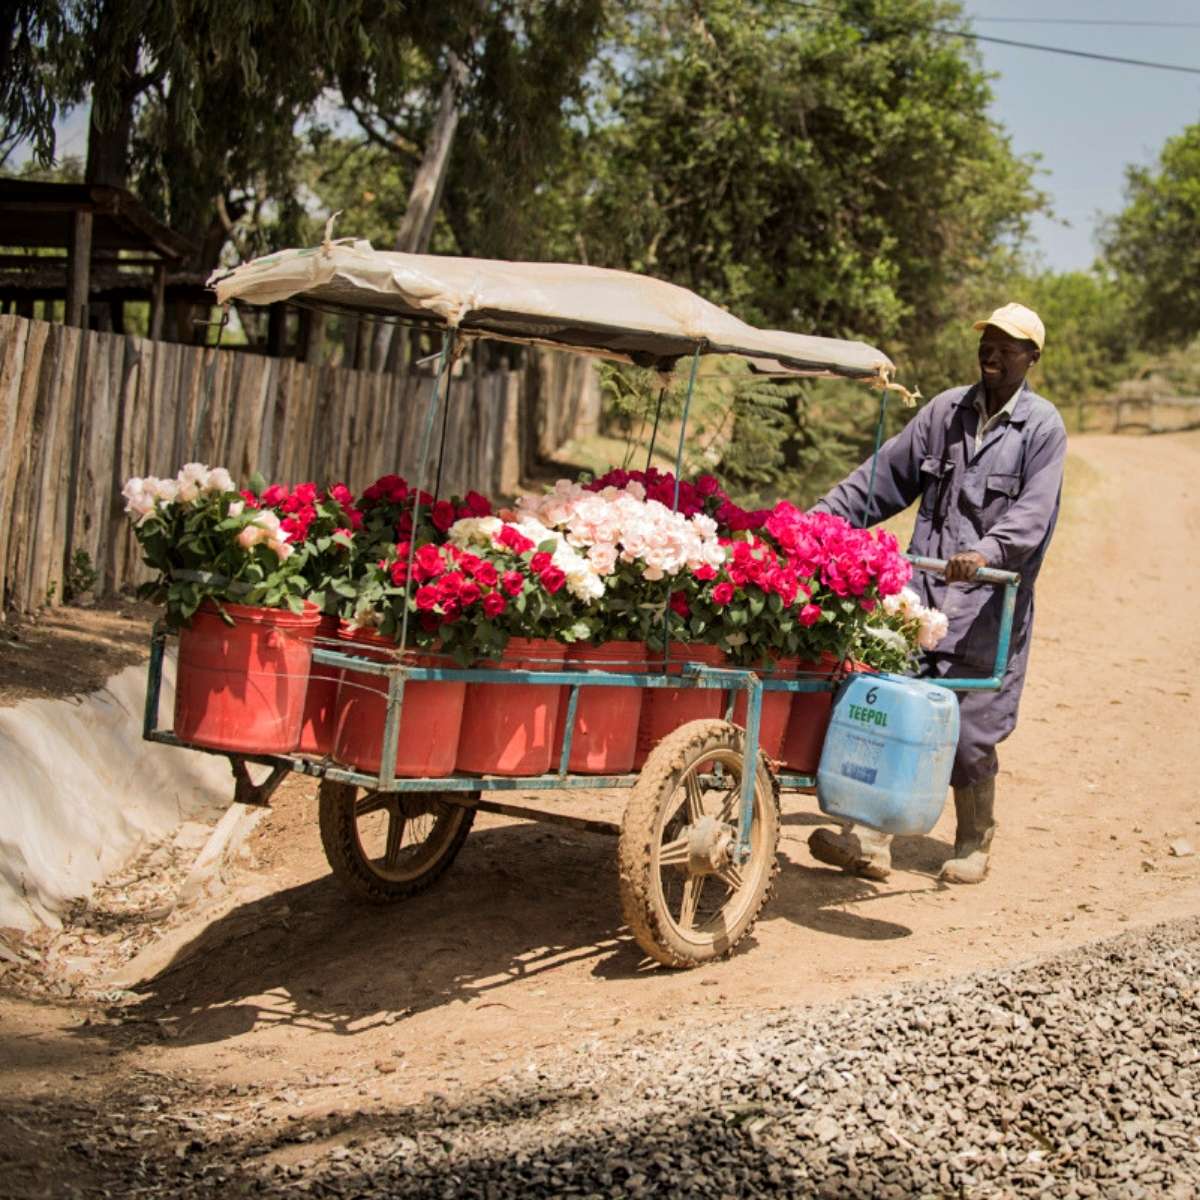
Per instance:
x=1087, y=21
x=999, y=41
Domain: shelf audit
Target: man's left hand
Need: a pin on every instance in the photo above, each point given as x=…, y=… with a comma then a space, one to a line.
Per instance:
x=962, y=567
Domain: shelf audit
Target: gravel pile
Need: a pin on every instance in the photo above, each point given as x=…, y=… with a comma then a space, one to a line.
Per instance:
x=1075, y=1076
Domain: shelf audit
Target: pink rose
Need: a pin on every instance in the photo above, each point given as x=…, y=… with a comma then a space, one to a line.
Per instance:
x=722, y=593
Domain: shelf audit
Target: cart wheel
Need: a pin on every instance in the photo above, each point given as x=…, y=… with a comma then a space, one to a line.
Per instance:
x=682, y=894
x=384, y=846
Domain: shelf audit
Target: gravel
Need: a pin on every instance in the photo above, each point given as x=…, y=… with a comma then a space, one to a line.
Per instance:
x=1075, y=1076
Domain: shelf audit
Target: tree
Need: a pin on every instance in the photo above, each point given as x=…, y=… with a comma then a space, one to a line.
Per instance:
x=1154, y=243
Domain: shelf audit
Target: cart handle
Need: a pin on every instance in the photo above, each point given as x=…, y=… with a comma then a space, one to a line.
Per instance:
x=982, y=575
x=1010, y=581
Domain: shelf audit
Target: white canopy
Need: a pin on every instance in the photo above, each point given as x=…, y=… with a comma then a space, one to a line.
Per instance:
x=613, y=314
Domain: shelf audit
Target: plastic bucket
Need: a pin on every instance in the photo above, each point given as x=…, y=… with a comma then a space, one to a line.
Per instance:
x=776, y=709
x=606, y=718
x=241, y=687
x=665, y=709
x=809, y=720
x=429, y=721
x=512, y=728
x=320, y=701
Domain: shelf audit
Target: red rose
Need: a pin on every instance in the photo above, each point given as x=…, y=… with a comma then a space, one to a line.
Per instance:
x=452, y=583
x=306, y=493
x=480, y=506
x=494, y=604
x=705, y=573
x=469, y=594
x=442, y=515
x=275, y=495
x=513, y=582
x=722, y=593
x=679, y=604
x=250, y=498
x=514, y=539
x=552, y=579
x=399, y=573
x=810, y=614
x=539, y=562
x=487, y=574
x=427, y=598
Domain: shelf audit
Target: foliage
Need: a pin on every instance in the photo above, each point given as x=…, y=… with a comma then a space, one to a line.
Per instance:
x=1154, y=243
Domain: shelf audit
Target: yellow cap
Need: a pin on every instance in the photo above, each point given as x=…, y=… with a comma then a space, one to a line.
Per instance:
x=1019, y=322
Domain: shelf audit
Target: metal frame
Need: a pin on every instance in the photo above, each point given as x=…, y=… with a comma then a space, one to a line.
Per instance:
x=687, y=675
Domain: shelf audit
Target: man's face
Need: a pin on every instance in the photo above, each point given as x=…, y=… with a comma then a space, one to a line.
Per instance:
x=1003, y=359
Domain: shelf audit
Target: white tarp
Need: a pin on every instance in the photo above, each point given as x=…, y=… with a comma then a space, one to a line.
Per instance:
x=81, y=792
x=615, y=314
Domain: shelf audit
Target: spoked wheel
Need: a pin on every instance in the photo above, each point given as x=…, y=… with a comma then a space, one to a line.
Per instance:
x=683, y=895
x=384, y=846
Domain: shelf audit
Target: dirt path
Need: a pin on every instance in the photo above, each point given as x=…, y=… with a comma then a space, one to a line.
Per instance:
x=305, y=1002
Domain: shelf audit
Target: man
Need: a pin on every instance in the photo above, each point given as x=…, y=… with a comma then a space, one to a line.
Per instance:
x=986, y=462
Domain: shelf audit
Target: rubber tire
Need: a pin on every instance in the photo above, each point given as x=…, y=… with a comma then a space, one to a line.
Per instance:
x=351, y=868
x=640, y=827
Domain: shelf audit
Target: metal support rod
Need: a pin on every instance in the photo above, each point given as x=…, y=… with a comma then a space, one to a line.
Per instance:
x=448, y=340
x=883, y=399
x=391, y=730
x=569, y=730
x=749, y=766
x=683, y=421
x=662, y=391
x=437, y=479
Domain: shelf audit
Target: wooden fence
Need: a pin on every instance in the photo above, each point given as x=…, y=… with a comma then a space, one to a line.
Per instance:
x=81, y=412
x=1153, y=412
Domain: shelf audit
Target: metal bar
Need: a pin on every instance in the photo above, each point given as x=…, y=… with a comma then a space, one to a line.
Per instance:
x=391, y=728
x=883, y=399
x=589, y=825
x=662, y=391
x=569, y=730
x=983, y=575
x=797, y=783
x=448, y=339
x=749, y=767
x=158, y=646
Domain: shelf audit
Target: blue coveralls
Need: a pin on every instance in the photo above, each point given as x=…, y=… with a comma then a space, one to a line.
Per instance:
x=1001, y=502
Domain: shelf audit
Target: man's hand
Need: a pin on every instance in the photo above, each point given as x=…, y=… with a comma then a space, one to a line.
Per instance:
x=962, y=567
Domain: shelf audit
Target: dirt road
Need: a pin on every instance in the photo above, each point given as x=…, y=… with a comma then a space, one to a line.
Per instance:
x=295, y=997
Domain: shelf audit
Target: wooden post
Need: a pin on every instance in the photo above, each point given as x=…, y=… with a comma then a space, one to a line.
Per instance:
x=158, y=302
x=276, y=330
x=79, y=270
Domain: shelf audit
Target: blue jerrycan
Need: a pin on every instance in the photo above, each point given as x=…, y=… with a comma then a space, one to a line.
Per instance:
x=888, y=753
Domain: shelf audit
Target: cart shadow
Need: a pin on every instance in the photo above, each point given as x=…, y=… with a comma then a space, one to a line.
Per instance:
x=519, y=901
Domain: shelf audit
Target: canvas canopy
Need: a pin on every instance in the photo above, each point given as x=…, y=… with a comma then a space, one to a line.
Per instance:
x=613, y=314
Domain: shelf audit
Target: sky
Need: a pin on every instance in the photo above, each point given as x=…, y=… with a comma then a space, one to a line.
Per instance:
x=1088, y=120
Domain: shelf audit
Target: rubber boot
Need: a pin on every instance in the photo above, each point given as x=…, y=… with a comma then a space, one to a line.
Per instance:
x=973, y=838
x=858, y=851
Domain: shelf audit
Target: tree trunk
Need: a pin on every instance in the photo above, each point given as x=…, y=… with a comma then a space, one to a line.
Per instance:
x=416, y=227
x=108, y=140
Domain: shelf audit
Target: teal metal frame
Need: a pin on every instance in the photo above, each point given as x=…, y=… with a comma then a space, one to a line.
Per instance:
x=687, y=675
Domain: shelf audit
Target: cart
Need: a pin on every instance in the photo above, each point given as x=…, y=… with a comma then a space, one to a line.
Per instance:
x=697, y=845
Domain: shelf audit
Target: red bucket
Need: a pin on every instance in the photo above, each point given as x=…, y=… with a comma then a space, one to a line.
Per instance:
x=665, y=709
x=606, y=718
x=320, y=701
x=776, y=709
x=512, y=728
x=429, y=721
x=241, y=687
x=809, y=720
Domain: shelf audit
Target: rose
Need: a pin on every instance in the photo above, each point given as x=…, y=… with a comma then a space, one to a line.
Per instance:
x=494, y=604
x=722, y=594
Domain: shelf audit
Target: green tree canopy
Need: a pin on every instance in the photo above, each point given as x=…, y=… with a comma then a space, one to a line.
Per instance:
x=1154, y=244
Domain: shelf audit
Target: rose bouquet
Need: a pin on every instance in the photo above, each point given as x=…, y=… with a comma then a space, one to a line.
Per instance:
x=897, y=631
x=847, y=572
x=207, y=542
x=702, y=495
x=631, y=547
x=755, y=606
x=321, y=527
